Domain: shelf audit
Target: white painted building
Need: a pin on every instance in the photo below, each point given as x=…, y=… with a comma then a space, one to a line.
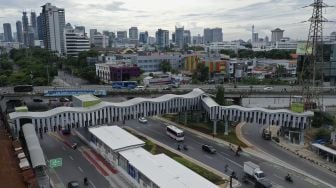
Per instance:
x=75, y=41
x=100, y=41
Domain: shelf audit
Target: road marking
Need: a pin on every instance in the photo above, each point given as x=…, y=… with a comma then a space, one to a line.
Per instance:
x=207, y=156
x=63, y=148
x=221, y=153
x=71, y=157
x=80, y=169
x=91, y=183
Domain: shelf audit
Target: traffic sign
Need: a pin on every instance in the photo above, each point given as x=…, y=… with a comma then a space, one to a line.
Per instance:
x=55, y=162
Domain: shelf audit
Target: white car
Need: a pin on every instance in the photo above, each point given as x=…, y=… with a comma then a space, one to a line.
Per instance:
x=268, y=88
x=143, y=120
x=140, y=88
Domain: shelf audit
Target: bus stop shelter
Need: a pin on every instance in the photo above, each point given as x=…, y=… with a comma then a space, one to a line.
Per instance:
x=326, y=152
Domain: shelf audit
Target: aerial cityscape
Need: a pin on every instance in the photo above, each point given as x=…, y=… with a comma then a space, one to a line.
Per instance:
x=168, y=94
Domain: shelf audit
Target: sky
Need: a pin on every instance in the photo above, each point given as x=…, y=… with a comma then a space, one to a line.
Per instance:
x=236, y=17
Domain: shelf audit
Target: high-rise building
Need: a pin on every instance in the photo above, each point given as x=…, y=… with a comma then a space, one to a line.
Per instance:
x=277, y=35
x=173, y=37
x=75, y=41
x=2, y=37
x=186, y=37
x=197, y=39
x=8, y=37
x=143, y=37
x=80, y=29
x=31, y=36
x=162, y=38
x=93, y=32
x=100, y=41
x=53, y=22
x=121, y=35
x=133, y=35
x=25, y=28
x=33, y=23
x=19, y=31
x=39, y=27
x=179, y=36
x=255, y=38
x=213, y=35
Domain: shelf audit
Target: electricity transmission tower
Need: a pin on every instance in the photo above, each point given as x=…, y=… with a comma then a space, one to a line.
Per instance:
x=313, y=63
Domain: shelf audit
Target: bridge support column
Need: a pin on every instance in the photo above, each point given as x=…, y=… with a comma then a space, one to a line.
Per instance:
x=214, y=127
x=302, y=132
x=226, y=131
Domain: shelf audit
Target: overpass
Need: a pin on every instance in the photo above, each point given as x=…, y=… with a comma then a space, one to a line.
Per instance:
x=107, y=113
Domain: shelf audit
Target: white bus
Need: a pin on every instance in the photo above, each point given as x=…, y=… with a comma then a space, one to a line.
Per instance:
x=175, y=133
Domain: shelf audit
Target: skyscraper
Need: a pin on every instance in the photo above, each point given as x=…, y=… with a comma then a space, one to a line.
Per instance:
x=25, y=28
x=39, y=27
x=143, y=37
x=75, y=41
x=53, y=22
x=162, y=38
x=213, y=35
x=133, y=35
x=33, y=23
x=277, y=35
x=8, y=37
x=80, y=29
x=186, y=37
x=179, y=37
x=19, y=31
x=93, y=32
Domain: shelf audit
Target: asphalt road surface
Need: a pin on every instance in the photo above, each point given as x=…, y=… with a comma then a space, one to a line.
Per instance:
x=75, y=166
x=252, y=134
x=275, y=173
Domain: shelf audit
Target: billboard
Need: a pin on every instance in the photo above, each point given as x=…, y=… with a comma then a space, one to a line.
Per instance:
x=302, y=49
x=297, y=107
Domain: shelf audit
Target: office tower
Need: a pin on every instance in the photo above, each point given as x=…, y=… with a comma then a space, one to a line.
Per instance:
x=33, y=23
x=53, y=23
x=197, y=39
x=266, y=39
x=255, y=38
x=121, y=35
x=8, y=37
x=252, y=38
x=179, y=37
x=173, y=37
x=100, y=41
x=133, y=35
x=186, y=37
x=93, y=32
x=19, y=31
x=277, y=35
x=162, y=38
x=75, y=40
x=31, y=36
x=2, y=37
x=80, y=29
x=213, y=35
x=143, y=37
x=39, y=27
x=106, y=33
x=25, y=28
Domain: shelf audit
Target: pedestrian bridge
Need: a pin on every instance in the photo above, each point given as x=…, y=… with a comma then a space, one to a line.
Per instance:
x=107, y=112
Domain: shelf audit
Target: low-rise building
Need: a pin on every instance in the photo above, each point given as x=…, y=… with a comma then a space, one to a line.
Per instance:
x=151, y=63
x=108, y=72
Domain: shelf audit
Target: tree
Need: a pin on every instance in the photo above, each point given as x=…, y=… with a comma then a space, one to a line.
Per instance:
x=220, y=95
x=280, y=71
x=165, y=66
x=201, y=73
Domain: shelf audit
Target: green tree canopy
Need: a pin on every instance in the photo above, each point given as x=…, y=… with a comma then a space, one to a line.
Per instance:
x=220, y=95
x=165, y=66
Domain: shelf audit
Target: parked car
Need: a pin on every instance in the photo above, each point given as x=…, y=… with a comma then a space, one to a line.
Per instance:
x=143, y=120
x=140, y=88
x=208, y=148
x=64, y=99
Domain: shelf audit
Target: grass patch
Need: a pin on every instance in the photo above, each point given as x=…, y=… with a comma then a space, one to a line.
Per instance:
x=156, y=149
x=206, y=128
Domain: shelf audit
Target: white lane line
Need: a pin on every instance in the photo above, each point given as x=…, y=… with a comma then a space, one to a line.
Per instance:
x=80, y=169
x=91, y=183
x=71, y=157
x=239, y=165
x=225, y=154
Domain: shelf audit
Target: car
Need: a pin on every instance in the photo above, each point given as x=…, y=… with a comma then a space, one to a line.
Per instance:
x=73, y=184
x=64, y=99
x=37, y=100
x=140, y=88
x=208, y=149
x=143, y=120
x=268, y=88
x=167, y=88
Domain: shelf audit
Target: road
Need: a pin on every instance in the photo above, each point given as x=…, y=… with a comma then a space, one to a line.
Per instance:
x=78, y=163
x=252, y=134
x=275, y=173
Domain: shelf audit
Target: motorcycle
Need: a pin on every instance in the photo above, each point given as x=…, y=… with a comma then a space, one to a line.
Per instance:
x=74, y=146
x=86, y=181
x=185, y=147
x=178, y=147
x=289, y=178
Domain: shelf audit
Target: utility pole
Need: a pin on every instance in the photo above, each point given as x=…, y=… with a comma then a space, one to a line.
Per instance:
x=309, y=66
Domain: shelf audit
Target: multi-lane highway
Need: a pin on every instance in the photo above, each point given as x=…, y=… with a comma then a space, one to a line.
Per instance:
x=79, y=163
x=252, y=134
x=275, y=173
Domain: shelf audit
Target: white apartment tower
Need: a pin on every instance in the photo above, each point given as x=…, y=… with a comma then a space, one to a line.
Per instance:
x=53, y=23
x=75, y=41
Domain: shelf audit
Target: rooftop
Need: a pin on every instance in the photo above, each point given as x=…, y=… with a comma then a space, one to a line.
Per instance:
x=164, y=171
x=115, y=137
x=86, y=97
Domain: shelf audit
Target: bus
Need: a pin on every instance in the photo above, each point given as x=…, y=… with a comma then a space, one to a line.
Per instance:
x=175, y=133
x=124, y=84
x=23, y=88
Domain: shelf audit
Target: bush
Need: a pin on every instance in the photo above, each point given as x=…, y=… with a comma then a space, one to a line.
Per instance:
x=322, y=134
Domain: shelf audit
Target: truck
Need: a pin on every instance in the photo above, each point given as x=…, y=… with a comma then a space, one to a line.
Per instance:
x=253, y=171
